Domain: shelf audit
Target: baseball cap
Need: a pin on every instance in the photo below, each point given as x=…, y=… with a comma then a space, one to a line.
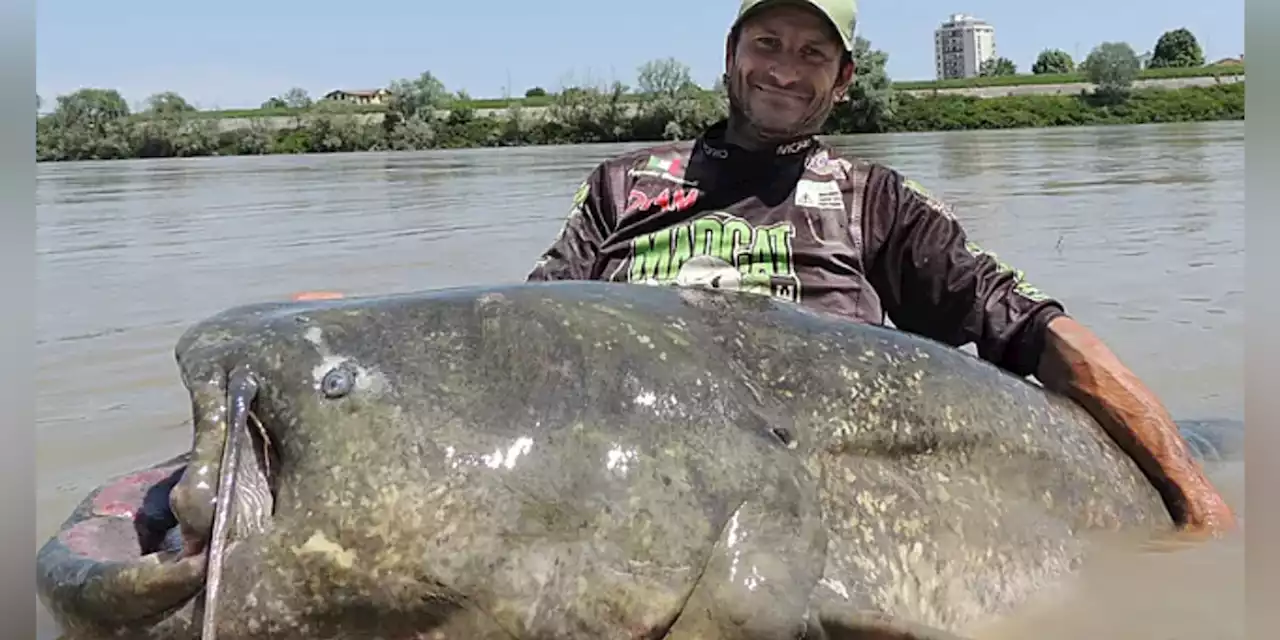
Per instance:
x=843, y=14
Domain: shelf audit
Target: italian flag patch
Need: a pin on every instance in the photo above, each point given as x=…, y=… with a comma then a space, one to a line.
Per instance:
x=671, y=166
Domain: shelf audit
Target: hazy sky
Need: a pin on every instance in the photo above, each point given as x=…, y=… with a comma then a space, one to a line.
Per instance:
x=237, y=53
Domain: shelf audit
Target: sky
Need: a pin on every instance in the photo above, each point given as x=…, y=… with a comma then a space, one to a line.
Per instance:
x=237, y=53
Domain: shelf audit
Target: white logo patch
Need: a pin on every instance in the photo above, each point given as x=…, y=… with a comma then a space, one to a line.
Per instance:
x=819, y=195
x=822, y=164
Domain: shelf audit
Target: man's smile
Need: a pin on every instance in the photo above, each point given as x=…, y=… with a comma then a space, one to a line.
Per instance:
x=780, y=92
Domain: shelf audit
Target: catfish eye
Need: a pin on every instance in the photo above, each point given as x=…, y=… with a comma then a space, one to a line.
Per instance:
x=338, y=382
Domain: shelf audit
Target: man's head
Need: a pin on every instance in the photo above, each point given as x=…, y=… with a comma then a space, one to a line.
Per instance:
x=787, y=62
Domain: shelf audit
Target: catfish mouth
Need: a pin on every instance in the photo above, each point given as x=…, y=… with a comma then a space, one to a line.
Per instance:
x=127, y=564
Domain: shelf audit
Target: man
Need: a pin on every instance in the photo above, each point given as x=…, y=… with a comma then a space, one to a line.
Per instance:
x=757, y=203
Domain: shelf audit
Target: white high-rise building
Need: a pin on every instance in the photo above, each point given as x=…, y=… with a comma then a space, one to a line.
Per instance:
x=961, y=45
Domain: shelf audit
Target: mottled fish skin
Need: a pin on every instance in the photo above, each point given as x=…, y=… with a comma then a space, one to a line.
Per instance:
x=596, y=460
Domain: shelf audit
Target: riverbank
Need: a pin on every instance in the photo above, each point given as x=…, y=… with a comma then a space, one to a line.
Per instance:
x=604, y=118
x=957, y=113
x=370, y=114
x=981, y=86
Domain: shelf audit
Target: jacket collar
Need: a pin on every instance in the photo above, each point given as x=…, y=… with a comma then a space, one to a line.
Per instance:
x=713, y=146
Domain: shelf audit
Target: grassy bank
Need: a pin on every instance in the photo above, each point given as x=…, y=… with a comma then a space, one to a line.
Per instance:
x=918, y=85
x=1144, y=106
x=601, y=117
x=1066, y=78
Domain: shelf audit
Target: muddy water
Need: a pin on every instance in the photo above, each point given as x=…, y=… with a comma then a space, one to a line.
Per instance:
x=1172, y=589
x=1139, y=230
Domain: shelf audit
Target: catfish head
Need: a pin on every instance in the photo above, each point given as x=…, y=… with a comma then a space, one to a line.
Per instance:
x=254, y=374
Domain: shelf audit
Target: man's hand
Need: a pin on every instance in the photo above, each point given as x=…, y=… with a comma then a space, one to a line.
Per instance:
x=1207, y=512
x=1077, y=364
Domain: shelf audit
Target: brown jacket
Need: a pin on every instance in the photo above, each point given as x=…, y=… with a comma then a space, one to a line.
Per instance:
x=798, y=222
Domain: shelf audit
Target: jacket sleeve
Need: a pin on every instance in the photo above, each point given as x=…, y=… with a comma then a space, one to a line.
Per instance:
x=934, y=281
x=574, y=252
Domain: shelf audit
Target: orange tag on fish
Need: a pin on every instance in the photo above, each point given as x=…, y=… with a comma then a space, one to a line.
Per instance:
x=316, y=295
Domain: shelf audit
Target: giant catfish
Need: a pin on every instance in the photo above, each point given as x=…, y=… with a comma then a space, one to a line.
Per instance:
x=590, y=460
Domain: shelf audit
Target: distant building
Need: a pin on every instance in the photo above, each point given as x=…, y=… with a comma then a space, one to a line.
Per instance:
x=961, y=45
x=1144, y=60
x=358, y=96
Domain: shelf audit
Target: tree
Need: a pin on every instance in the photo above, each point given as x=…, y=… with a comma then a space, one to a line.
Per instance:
x=1177, y=48
x=535, y=92
x=871, y=97
x=675, y=105
x=91, y=108
x=720, y=87
x=998, y=67
x=168, y=103
x=598, y=114
x=419, y=97
x=297, y=98
x=667, y=77
x=1113, y=66
x=275, y=102
x=461, y=109
x=1053, y=61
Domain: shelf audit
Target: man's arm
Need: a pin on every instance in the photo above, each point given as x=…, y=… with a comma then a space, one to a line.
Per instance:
x=936, y=282
x=574, y=252
x=1078, y=365
x=933, y=281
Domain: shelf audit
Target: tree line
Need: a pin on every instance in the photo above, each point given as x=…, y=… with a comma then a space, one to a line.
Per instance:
x=421, y=113
x=1176, y=48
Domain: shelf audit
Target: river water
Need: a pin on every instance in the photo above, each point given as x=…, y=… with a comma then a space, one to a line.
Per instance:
x=1139, y=229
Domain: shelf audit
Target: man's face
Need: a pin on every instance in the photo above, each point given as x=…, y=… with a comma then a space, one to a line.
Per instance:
x=785, y=72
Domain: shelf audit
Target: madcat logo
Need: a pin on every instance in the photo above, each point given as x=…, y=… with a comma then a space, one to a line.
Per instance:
x=718, y=251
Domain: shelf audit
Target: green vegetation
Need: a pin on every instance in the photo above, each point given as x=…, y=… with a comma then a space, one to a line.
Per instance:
x=872, y=101
x=1140, y=106
x=1112, y=66
x=1053, y=61
x=295, y=98
x=421, y=113
x=268, y=112
x=998, y=67
x=1177, y=49
x=540, y=98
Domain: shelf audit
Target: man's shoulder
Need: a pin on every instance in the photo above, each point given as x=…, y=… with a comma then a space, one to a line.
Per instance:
x=897, y=190
x=824, y=155
x=876, y=174
x=886, y=191
x=829, y=162
x=649, y=157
